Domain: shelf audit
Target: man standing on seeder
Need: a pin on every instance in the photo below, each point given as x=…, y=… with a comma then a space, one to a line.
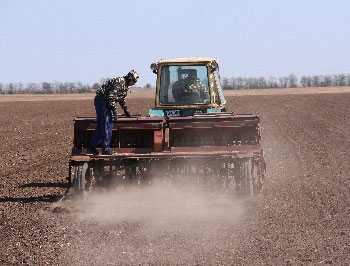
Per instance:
x=111, y=92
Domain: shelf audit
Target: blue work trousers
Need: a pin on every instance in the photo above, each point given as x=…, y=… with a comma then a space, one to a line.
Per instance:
x=103, y=132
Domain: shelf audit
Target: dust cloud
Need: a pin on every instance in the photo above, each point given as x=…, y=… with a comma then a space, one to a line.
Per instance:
x=161, y=204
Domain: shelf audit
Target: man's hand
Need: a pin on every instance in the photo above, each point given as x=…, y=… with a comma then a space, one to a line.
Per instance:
x=115, y=116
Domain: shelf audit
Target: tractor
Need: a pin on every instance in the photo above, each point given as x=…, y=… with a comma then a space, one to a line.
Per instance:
x=188, y=136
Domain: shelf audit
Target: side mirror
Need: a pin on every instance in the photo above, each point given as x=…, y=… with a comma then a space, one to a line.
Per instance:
x=214, y=66
x=154, y=67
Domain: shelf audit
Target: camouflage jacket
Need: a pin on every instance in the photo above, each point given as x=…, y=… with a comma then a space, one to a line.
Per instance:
x=114, y=91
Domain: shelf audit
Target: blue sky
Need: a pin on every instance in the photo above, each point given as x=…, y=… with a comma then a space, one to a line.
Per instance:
x=71, y=40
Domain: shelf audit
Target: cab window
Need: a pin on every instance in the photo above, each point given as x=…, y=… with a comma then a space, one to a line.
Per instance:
x=181, y=84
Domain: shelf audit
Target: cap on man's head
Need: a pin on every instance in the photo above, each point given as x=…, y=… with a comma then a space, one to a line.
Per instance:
x=132, y=75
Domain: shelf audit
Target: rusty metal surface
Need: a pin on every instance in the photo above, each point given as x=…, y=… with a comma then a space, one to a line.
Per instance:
x=214, y=120
x=247, y=151
x=135, y=132
x=89, y=123
x=205, y=135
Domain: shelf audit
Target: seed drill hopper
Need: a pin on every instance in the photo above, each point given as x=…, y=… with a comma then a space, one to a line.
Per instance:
x=188, y=136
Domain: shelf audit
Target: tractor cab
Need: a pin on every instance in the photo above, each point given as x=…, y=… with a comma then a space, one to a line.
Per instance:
x=186, y=86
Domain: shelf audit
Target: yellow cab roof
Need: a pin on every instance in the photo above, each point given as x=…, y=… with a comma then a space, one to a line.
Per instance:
x=187, y=60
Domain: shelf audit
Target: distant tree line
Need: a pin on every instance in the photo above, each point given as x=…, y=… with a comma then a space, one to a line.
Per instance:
x=51, y=88
x=234, y=83
x=291, y=81
x=47, y=88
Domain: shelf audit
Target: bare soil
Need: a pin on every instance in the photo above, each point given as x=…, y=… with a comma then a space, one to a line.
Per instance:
x=301, y=218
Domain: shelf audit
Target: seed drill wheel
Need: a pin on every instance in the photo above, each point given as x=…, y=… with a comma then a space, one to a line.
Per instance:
x=83, y=178
x=249, y=177
x=258, y=174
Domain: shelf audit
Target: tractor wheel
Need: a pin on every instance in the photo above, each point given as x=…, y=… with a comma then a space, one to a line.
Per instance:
x=79, y=181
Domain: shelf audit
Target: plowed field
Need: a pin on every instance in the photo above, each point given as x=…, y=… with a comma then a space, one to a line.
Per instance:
x=301, y=218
